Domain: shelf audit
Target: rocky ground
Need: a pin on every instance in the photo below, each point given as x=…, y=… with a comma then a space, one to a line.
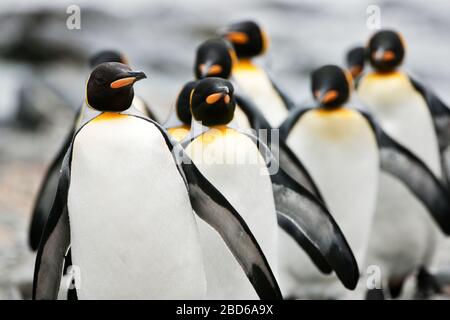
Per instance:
x=43, y=71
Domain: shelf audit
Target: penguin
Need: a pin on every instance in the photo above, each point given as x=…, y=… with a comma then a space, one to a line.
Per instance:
x=148, y=246
x=233, y=161
x=178, y=124
x=355, y=61
x=393, y=98
x=214, y=58
x=250, y=41
x=48, y=185
x=406, y=111
x=344, y=149
x=220, y=54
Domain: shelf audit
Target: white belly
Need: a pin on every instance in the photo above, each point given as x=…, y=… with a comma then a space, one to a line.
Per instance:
x=133, y=233
x=341, y=155
x=249, y=190
x=403, y=114
x=255, y=84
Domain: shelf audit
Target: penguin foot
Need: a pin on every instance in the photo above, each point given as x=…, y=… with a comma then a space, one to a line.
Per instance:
x=375, y=294
x=427, y=285
x=396, y=287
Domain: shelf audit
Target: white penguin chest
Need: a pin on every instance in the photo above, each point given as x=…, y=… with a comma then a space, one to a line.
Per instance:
x=255, y=83
x=403, y=114
x=133, y=233
x=233, y=164
x=339, y=150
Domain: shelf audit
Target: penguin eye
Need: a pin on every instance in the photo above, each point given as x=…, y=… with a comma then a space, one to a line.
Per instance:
x=100, y=80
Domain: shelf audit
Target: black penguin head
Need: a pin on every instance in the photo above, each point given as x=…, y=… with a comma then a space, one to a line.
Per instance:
x=330, y=86
x=248, y=39
x=110, y=87
x=183, y=108
x=355, y=60
x=107, y=56
x=214, y=58
x=386, y=51
x=212, y=102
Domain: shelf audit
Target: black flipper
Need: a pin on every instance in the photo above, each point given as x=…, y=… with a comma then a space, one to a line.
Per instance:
x=296, y=232
x=291, y=120
x=286, y=158
x=47, y=191
x=440, y=112
x=317, y=225
x=255, y=117
x=441, y=118
x=288, y=102
x=210, y=205
x=310, y=223
x=403, y=164
x=55, y=240
x=293, y=167
x=417, y=177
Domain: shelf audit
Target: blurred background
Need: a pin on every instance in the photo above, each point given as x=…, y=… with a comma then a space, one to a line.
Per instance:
x=43, y=69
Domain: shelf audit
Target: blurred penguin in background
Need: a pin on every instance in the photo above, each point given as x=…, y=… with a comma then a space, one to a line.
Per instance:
x=214, y=58
x=344, y=150
x=416, y=118
x=250, y=41
x=355, y=61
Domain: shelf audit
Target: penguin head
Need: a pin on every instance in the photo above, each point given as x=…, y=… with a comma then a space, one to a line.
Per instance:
x=183, y=104
x=355, y=61
x=214, y=58
x=110, y=87
x=386, y=51
x=247, y=38
x=330, y=86
x=212, y=102
x=107, y=56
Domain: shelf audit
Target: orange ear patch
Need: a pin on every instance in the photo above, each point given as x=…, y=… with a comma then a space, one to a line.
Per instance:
x=237, y=37
x=213, y=98
x=388, y=56
x=330, y=96
x=122, y=82
x=215, y=69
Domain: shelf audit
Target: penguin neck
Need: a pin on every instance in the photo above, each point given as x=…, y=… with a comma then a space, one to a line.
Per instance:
x=244, y=64
x=325, y=111
x=386, y=74
x=108, y=116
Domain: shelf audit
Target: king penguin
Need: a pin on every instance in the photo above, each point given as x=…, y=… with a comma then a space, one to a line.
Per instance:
x=213, y=58
x=410, y=113
x=339, y=149
x=355, y=62
x=178, y=125
x=48, y=185
x=125, y=204
x=392, y=98
x=265, y=196
x=345, y=151
x=250, y=41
